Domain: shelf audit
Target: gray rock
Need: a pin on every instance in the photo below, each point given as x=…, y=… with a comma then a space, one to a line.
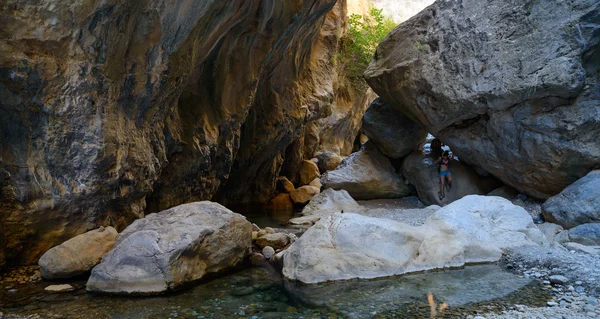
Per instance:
x=581, y=248
x=558, y=279
x=328, y=161
x=345, y=246
x=511, y=86
x=504, y=191
x=577, y=204
x=426, y=179
x=586, y=234
x=395, y=135
x=168, y=249
x=59, y=288
x=366, y=174
x=268, y=252
x=277, y=240
x=78, y=254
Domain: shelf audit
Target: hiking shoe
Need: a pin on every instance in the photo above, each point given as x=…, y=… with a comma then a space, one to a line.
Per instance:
x=441, y=196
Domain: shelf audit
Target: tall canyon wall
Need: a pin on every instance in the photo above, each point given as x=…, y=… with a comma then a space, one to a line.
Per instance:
x=111, y=109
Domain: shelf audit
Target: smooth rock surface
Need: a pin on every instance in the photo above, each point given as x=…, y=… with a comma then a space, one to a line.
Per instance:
x=577, y=204
x=346, y=246
x=284, y=185
x=326, y=203
x=277, y=241
x=59, y=288
x=511, y=86
x=504, y=192
x=78, y=254
x=308, y=172
x=586, y=234
x=366, y=174
x=304, y=194
x=328, y=161
x=168, y=249
x=395, y=135
x=426, y=179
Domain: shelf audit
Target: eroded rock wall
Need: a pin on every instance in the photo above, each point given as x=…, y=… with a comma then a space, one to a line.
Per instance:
x=110, y=110
x=512, y=86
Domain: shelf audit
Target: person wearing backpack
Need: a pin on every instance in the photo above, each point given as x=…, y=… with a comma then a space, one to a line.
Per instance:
x=444, y=171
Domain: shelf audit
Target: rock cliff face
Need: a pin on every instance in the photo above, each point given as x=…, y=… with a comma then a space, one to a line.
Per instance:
x=111, y=110
x=512, y=86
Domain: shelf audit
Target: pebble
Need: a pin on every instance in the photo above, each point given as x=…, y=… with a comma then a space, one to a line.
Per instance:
x=558, y=279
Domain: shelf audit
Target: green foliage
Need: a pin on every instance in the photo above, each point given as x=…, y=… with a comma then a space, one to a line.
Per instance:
x=362, y=37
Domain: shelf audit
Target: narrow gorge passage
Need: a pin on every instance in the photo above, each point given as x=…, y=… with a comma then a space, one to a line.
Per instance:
x=285, y=159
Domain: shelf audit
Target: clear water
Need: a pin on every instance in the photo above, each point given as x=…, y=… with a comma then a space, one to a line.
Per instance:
x=261, y=293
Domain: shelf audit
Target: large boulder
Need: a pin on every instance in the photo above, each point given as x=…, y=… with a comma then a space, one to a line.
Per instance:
x=326, y=203
x=78, y=254
x=328, y=161
x=171, y=248
x=304, y=194
x=586, y=234
x=511, y=86
x=308, y=172
x=426, y=179
x=577, y=204
x=366, y=174
x=395, y=135
x=471, y=230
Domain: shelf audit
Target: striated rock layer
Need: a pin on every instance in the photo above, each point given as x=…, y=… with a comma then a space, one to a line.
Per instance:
x=111, y=110
x=512, y=86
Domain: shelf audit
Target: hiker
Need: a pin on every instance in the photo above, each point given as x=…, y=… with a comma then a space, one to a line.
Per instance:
x=443, y=168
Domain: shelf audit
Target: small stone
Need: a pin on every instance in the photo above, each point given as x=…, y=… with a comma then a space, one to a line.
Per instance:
x=552, y=304
x=593, y=301
x=579, y=282
x=558, y=279
x=579, y=289
x=270, y=230
x=59, y=288
x=291, y=309
x=268, y=252
x=257, y=259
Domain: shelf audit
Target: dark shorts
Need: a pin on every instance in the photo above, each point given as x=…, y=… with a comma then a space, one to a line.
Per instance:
x=444, y=173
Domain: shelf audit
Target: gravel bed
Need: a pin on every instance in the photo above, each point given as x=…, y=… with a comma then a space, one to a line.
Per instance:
x=574, y=278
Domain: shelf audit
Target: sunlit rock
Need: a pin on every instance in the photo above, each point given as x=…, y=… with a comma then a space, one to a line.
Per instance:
x=366, y=174
x=78, y=254
x=577, y=204
x=345, y=246
x=511, y=86
x=168, y=249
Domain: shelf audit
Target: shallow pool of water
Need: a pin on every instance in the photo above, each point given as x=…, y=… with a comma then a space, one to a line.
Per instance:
x=261, y=293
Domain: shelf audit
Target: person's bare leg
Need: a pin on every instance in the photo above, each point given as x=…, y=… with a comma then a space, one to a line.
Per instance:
x=449, y=176
x=442, y=178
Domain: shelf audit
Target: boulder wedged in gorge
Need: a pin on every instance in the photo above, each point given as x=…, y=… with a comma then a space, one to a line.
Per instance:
x=111, y=110
x=395, y=135
x=511, y=86
x=426, y=179
x=366, y=174
x=78, y=254
x=577, y=204
x=471, y=230
x=171, y=248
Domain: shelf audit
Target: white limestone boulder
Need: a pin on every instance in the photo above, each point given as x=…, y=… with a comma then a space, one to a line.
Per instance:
x=171, y=248
x=346, y=246
x=326, y=203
